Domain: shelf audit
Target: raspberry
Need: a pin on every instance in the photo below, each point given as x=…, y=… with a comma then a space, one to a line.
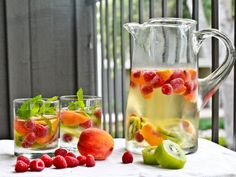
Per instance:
x=30, y=138
x=67, y=137
x=189, y=87
x=157, y=81
x=47, y=160
x=177, y=83
x=138, y=137
x=61, y=152
x=24, y=159
x=30, y=125
x=59, y=162
x=21, y=166
x=132, y=84
x=41, y=130
x=86, y=124
x=136, y=74
x=167, y=89
x=146, y=89
x=148, y=75
x=71, y=161
x=98, y=113
x=81, y=159
x=71, y=154
x=127, y=157
x=90, y=161
x=26, y=144
x=37, y=165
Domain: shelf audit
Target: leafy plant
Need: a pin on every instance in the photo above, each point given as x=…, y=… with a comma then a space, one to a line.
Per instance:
x=79, y=104
x=36, y=106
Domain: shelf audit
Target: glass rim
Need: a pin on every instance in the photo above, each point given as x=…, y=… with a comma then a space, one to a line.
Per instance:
x=22, y=100
x=171, y=22
x=74, y=97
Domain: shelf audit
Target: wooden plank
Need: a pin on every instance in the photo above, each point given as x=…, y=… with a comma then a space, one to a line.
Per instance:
x=85, y=49
x=4, y=105
x=18, y=40
x=52, y=40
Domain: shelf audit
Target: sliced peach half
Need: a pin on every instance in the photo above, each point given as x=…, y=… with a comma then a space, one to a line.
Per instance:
x=19, y=126
x=188, y=126
x=72, y=118
x=165, y=73
x=150, y=135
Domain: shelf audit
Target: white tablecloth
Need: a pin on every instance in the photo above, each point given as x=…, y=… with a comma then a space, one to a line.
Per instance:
x=211, y=160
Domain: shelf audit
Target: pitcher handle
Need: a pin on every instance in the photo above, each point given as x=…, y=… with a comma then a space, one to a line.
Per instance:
x=209, y=85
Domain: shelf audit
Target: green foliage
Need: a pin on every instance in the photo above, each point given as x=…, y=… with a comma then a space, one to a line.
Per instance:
x=79, y=104
x=36, y=106
x=207, y=9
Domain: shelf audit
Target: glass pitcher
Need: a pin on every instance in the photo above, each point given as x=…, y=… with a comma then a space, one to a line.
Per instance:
x=165, y=94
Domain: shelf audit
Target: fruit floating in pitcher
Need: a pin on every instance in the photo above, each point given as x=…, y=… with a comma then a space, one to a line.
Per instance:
x=162, y=104
x=77, y=116
x=36, y=124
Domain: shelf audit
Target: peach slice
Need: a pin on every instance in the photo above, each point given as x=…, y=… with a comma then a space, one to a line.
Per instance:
x=151, y=135
x=19, y=126
x=193, y=73
x=165, y=74
x=72, y=118
x=188, y=127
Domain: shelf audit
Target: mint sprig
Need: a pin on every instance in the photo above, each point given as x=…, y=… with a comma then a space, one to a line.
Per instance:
x=36, y=106
x=79, y=104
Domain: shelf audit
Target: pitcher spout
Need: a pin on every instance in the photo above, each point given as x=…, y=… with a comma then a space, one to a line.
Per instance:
x=132, y=28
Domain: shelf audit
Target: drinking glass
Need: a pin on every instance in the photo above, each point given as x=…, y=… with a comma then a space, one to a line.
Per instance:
x=75, y=119
x=36, y=126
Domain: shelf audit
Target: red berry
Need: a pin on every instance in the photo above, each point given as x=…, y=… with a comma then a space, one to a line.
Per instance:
x=148, y=75
x=177, y=83
x=127, y=157
x=30, y=138
x=47, y=160
x=61, y=152
x=132, y=84
x=59, y=162
x=21, y=166
x=81, y=159
x=37, y=165
x=30, y=124
x=136, y=74
x=67, y=137
x=86, y=124
x=26, y=144
x=146, y=89
x=71, y=154
x=138, y=137
x=24, y=159
x=90, y=161
x=71, y=161
x=98, y=113
x=41, y=130
x=167, y=89
x=189, y=87
x=157, y=81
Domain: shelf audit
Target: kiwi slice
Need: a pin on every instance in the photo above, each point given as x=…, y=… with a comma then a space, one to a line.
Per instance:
x=170, y=155
x=149, y=157
x=169, y=134
x=133, y=126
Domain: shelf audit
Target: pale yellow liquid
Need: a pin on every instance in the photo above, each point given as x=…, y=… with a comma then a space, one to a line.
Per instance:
x=165, y=111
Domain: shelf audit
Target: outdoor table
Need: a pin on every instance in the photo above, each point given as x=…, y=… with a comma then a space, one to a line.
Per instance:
x=211, y=160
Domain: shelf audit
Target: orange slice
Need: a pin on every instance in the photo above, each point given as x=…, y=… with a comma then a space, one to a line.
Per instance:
x=151, y=135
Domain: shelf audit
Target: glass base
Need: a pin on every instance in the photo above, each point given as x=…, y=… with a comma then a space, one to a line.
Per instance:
x=137, y=148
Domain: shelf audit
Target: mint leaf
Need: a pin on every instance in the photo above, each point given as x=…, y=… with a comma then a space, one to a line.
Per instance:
x=36, y=106
x=79, y=104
